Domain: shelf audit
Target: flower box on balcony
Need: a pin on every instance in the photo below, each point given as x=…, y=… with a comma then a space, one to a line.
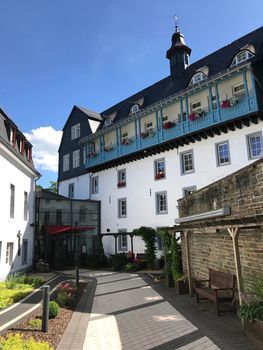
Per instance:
x=168, y=125
x=159, y=176
x=146, y=134
x=225, y=104
x=108, y=148
x=192, y=117
x=121, y=184
x=92, y=155
x=126, y=141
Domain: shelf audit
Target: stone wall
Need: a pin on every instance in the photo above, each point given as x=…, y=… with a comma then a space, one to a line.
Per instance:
x=243, y=193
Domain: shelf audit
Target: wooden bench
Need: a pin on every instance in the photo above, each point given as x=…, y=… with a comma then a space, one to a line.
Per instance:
x=219, y=287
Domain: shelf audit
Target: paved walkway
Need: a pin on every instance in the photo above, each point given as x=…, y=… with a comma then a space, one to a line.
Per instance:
x=129, y=312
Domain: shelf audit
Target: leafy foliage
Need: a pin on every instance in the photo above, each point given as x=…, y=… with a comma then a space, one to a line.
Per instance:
x=53, y=186
x=131, y=267
x=119, y=261
x=252, y=309
x=53, y=309
x=35, y=323
x=16, y=341
x=176, y=259
x=148, y=235
x=167, y=241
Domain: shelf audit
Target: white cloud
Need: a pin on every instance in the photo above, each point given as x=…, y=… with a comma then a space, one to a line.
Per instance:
x=45, y=141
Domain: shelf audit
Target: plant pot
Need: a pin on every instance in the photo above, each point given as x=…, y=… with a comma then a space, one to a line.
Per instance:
x=254, y=330
x=182, y=286
x=169, y=281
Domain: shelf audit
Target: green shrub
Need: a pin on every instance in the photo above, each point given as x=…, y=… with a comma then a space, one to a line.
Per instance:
x=17, y=342
x=35, y=323
x=148, y=235
x=53, y=309
x=119, y=261
x=9, y=296
x=63, y=299
x=36, y=281
x=251, y=311
x=131, y=267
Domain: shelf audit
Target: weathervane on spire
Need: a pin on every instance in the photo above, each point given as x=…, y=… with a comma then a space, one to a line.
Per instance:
x=176, y=23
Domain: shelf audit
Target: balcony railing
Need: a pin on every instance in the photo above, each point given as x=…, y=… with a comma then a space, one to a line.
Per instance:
x=211, y=118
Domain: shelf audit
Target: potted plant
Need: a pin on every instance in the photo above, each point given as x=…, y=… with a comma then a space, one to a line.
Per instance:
x=225, y=103
x=92, y=154
x=192, y=116
x=108, y=148
x=251, y=309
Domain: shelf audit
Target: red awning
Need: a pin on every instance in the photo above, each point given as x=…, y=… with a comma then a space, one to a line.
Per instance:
x=57, y=229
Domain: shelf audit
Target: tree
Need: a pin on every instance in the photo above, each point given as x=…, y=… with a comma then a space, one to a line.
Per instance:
x=53, y=186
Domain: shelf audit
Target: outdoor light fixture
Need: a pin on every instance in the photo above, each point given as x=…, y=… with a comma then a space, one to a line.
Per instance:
x=207, y=215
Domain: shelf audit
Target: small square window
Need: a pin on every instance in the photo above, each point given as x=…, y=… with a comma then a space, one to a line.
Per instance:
x=187, y=191
x=239, y=90
x=95, y=185
x=254, y=143
x=121, y=180
x=161, y=203
x=187, y=162
x=148, y=125
x=122, y=208
x=159, y=169
x=196, y=106
x=222, y=153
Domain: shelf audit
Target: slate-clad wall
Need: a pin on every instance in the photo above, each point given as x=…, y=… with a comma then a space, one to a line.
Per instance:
x=243, y=192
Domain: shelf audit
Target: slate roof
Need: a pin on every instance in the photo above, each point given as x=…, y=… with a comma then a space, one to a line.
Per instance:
x=4, y=121
x=216, y=62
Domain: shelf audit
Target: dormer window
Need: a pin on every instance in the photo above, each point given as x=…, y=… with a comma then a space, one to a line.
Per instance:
x=107, y=122
x=242, y=57
x=135, y=109
x=197, y=78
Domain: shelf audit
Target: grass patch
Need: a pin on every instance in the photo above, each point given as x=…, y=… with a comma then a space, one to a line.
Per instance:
x=35, y=323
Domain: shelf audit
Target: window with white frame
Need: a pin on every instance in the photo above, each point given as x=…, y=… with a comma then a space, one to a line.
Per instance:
x=75, y=158
x=187, y=162
x=188, y=190
x=71, y=190
x=12, y=201
x=159, y=169
x=24, y=251
x=95, y=185
x=135, y=109
x=123, y=241
x=214, y=101
x=66, y=162
x=122, y=208
x=9, y=253
x=25, y=205
x=124, y=136
x=223, y=153
x=161, y=202
x=148, y=126
x=75, y=131
x=254, y=144
x=196, y=106
x=165, y=118
x=197, y=78
x=121, y=178
x=241, y=57
x=239, y=90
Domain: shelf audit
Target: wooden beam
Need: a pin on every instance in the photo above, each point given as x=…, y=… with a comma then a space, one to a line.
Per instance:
x=234, y=233
x=187, y=247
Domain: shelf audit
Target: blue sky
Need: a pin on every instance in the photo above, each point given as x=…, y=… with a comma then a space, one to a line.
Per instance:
x=93, y=53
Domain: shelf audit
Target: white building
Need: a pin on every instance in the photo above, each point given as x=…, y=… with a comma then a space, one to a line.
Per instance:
x=17, y=185
x=199, y=124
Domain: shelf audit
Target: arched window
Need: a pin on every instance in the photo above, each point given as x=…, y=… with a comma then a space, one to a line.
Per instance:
x=134, y=109
x=241, y=57
x=197, y=78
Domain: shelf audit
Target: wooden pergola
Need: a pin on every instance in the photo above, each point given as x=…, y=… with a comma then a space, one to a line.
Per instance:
x=214, y=224
x=116, y=235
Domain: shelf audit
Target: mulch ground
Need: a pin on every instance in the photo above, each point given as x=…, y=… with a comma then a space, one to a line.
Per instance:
x=56, y=326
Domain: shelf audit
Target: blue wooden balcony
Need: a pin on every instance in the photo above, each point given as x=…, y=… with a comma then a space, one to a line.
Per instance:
x=212, y=118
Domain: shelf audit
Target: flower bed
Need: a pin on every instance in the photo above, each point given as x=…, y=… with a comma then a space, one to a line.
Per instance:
x=30, y=327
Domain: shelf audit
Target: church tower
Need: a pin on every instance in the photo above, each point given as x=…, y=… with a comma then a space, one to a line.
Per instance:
x=178, y=54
